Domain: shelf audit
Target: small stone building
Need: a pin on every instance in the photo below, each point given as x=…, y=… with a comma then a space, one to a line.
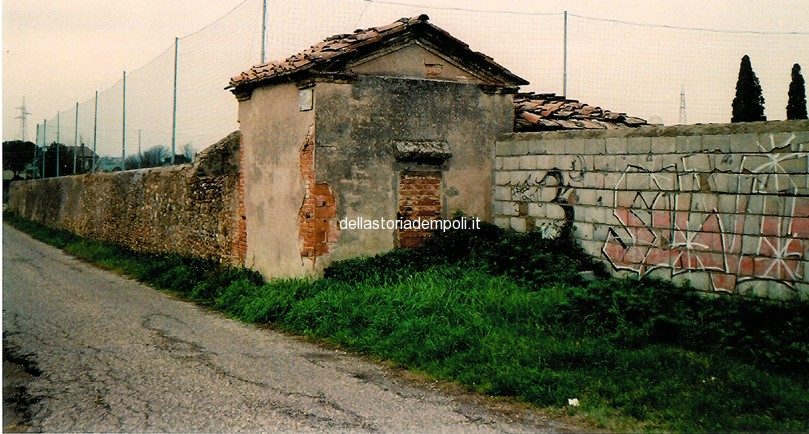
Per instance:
x=389, y=122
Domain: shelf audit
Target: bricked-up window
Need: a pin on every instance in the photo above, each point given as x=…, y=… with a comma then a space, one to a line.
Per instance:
x=419, y=198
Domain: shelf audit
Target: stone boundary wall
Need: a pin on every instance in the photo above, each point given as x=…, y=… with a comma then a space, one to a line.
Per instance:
x=723, y=206
x=192, y=210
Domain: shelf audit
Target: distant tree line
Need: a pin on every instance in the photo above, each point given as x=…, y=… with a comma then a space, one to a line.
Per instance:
x=748, y=104
x=17, y=155
x=157, y=156
x=24, y=159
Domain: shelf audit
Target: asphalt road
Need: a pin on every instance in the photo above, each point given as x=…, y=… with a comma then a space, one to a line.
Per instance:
x=87, y=350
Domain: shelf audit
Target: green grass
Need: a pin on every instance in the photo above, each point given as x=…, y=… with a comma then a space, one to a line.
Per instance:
x=197, y=279
x=508, y=314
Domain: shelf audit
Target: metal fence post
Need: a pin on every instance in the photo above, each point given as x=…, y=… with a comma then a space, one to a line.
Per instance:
x=174, y=101
x=564, y=61
x=58, y=141
x=264, y=32
x=76, y=140
x=36, y=139
x=123, y=129
x=44, y=143
x=95, y=131
x=140, y=154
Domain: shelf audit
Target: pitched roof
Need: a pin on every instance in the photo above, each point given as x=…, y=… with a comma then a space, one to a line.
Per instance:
x=335, y=52
x=548, y=112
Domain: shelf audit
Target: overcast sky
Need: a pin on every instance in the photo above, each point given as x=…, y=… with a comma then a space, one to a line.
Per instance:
x=58, y=52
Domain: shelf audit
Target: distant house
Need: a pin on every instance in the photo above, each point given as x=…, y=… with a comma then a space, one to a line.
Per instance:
x=84, y=157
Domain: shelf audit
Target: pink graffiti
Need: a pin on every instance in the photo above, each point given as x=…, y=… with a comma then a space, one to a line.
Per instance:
x=681, y=248
x=675, y=221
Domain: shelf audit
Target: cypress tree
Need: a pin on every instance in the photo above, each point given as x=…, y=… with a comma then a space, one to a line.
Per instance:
x=796, y=107
x=748, y=105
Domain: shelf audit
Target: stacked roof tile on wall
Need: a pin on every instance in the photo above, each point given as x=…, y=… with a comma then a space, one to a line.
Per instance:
x=549, y=112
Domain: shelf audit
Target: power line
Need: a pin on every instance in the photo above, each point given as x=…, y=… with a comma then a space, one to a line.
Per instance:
x=447, y=8
x=367, y=5
x=700, y=29
x=526, y=13
x=216, y=21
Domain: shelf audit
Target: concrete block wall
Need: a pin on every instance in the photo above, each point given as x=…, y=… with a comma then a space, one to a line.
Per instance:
x=723, y=206
x=193, y=210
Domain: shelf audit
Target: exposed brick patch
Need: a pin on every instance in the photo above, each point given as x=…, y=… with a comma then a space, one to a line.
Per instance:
x=419, y=198
x=317, y=217
x=240, y=243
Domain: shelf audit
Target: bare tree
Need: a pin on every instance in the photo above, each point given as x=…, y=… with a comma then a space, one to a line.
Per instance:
x=154, y=156
x=132, y=162
x=189, y=152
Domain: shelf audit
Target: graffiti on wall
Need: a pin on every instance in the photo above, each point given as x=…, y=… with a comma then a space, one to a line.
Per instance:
x=554, y=188
x=740, y=218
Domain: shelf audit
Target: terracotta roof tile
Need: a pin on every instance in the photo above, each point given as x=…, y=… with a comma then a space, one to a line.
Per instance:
x=337, y=46
x=548, y=112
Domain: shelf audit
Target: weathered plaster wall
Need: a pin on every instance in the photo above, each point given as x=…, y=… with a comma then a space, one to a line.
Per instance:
x=725, y=207
x=357, y=126
x=192, y=210
x=274, y=133
x=414, y=61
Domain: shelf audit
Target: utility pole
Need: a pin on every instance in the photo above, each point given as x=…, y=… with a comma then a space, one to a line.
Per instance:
x=58, y=141
x=95, y=131
x=76, y=140
x=564, y=60
x=264, y=32
x=123, y=129
x=683, y=117
x=174, y=101
x=23, y=117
